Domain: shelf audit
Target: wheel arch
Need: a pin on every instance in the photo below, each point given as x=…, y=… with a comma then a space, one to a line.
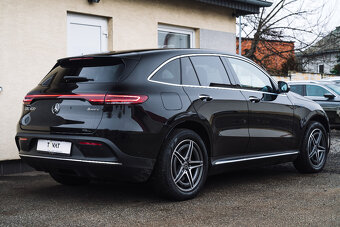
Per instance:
x=199, y=129
x=195, y=123
x=321, y=118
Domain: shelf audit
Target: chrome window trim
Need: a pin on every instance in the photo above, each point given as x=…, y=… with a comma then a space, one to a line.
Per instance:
x=254, y=158
x=71, y=160
x=195, y=86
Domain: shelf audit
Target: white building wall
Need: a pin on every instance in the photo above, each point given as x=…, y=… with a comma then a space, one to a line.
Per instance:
x=311, y=64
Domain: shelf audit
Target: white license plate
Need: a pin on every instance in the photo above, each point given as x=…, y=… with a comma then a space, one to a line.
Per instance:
x=59, y=147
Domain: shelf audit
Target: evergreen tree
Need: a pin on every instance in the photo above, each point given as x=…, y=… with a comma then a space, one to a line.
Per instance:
x=336, y=68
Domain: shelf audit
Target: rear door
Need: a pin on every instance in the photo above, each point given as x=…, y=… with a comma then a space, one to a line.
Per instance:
x=223, y=108
x=70, y=99
x=270, y=114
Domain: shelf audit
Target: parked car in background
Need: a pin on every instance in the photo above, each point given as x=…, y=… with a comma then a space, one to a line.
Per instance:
x=335, y=79
x=324, y=92
x=168, y=116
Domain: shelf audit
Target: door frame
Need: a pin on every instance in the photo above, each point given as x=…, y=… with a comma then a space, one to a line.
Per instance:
x=91, y=20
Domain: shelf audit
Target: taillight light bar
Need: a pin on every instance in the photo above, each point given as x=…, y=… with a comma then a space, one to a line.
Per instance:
x=90, y=143
x=92, y=98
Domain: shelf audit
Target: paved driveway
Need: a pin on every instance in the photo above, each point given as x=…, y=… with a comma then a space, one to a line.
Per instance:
x=276, y=195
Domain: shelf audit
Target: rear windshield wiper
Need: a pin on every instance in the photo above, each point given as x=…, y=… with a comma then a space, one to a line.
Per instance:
x=70, y=79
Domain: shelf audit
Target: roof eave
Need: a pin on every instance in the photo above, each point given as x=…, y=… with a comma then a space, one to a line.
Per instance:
x=241, y=7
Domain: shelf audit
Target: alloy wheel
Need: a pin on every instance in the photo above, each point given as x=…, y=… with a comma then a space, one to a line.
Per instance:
x=317, y=144
x=187, y=165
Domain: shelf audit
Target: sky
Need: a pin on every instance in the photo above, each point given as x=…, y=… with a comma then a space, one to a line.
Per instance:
x=327, y=10
x=334, y=10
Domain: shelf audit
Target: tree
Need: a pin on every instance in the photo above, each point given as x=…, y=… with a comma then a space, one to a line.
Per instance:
x=336, y=68
x=290, y=65
x=285, y=20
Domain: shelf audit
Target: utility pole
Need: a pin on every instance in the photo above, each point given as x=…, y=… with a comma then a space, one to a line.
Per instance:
x=239, y=36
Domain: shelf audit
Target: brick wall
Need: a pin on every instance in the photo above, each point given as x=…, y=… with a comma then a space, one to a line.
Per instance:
x=264, y=52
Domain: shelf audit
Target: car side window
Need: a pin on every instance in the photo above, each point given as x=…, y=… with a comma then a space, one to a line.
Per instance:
x=210, y=70
x=298, y=89
x=169, y=73
x=315, y=90
x=250, y=76
x=189, y=76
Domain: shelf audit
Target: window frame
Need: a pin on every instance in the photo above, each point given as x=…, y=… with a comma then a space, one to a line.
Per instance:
x=180, y=30
x=226, y=62
x=181, y=59
x=163, y=66
x=238, y=83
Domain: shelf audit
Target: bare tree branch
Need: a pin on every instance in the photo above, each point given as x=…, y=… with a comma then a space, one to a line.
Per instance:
x=285, y=20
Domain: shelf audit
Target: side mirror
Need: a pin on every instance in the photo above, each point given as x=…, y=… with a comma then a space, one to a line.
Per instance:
x=329, y=96
x=283, y=87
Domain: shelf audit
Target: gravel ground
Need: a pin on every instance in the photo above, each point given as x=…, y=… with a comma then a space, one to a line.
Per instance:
x=276, y=195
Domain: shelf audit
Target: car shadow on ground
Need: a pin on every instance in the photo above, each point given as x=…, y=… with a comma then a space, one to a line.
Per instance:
x=123, y=192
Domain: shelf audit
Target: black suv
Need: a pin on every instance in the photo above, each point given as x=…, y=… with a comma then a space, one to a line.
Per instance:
x=324, y=92
x=167, y=116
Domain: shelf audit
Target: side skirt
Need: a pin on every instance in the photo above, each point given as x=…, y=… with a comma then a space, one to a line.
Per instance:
x=240, y=162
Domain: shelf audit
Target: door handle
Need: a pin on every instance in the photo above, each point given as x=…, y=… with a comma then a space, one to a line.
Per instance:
x=254, y=99
x=205, y=97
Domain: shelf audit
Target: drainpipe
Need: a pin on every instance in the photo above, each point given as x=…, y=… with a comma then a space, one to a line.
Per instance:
x=239, y=36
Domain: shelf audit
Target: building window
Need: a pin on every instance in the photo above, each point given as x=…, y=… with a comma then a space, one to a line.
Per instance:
x=321, y=69
x=175, y=37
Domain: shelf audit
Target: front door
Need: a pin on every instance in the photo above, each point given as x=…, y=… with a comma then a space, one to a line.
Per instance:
x=224, y=109
x=270, y=113
x=86, y=34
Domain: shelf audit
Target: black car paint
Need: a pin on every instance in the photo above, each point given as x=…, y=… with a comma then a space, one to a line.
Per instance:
x=231, y=126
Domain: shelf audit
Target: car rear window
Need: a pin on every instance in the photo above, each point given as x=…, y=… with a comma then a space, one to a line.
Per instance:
x=169, y=73
x=95, y=71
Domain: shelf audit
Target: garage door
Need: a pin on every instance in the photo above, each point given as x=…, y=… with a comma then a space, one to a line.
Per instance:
x=86, y=34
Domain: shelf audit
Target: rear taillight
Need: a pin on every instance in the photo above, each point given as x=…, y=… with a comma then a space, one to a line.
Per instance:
x=92, y=98
x=27, y=100
x=125, y=99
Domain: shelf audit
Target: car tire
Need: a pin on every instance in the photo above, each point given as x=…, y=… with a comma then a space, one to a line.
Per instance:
x=314, y=149
x=69, y=180
x=182, y=166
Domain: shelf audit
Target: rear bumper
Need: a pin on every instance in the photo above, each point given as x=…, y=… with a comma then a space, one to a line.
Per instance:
x=115, y=164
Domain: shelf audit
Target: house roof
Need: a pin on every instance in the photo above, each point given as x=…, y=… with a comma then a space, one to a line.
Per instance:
x=328, y=44
x=241, y=7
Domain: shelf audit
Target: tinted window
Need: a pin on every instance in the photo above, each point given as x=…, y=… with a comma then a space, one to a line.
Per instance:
x=297, y=89
x=334, y=87
x=48, y=79
x=314, y=90
x=250, y=76
x=188, y=73
x=92, y=71
x=209, y=70
x=169, y=73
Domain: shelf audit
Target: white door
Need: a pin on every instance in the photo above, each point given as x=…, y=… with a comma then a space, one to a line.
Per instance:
x=86, y=34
